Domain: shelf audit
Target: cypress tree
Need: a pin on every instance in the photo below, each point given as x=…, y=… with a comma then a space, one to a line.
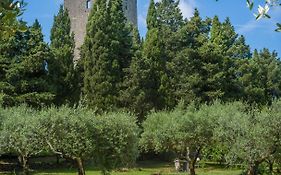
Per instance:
x=97, y=86
x=106, y=53
x=132, y=93
x=147, y=71
x=121, y=39
x=62, y=46
x=151, y=19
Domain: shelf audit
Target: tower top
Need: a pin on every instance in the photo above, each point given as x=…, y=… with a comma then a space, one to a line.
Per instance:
x=79, y=11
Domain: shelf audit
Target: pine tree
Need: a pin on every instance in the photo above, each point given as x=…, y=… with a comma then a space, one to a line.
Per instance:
x=212, y=73
x=184, y=66
x=239, y=49
x=132, y=93
x=216, y=29
x=6, y=89
x=223, y=35
x=11, y=51
x=62, y=46
x=260, y=78
x=169, y=14
x=30, y=71
x=194, y=32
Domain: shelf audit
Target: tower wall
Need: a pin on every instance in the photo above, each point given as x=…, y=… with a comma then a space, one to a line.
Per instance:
x=78, y=13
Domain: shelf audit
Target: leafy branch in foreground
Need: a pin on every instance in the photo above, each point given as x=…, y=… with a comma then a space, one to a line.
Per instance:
x=264, y=10
x=9, y=11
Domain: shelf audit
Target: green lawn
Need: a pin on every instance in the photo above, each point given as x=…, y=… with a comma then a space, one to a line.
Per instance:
x=148, y=168
x=148, y=172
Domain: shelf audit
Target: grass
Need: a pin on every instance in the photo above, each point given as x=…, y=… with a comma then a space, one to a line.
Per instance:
x=146, y=168
x=146, y=171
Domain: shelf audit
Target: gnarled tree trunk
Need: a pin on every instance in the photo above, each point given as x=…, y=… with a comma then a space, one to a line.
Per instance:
x=23, y=162
x=192, y=167
x=192, y=158
x=253, y=169
x=80, y=166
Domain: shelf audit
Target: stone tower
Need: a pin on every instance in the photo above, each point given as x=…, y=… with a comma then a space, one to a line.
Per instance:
x=79, y=12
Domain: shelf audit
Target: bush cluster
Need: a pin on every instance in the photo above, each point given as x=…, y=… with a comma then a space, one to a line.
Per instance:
x=236, y=133
x=77, y=134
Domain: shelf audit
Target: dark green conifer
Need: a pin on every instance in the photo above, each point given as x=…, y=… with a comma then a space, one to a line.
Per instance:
x=62, y=46
x=261, y=78
x=106, y=53
x=151, y=19
x=30, y=73
x=169, y=14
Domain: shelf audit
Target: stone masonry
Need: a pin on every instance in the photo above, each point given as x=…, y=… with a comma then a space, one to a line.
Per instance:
x=79, y=11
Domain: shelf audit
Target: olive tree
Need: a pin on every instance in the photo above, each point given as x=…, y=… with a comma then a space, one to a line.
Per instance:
x=78, y=134
x=116, y=140
x=68, y=132
x=252, y=136
x=19, y=134
x=186, y=132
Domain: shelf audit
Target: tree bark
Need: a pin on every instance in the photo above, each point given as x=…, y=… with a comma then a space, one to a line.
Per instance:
x=253, y=169
x=23, y=162
x=80, y=166
x=192, y=167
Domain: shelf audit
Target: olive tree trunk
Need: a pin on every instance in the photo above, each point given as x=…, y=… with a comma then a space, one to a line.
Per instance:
x=80, y=166
x=192, y=158
x=253, y=169
x=192, y=167
x=23, y=162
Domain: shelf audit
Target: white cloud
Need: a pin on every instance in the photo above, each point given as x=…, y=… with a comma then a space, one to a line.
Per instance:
x=187, y=8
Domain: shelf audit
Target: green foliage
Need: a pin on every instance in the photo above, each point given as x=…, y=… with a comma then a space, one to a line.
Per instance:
x=30, y=75
x=186, y=132
x=111, y=139
x=116, y=140
x=169, y=14
x=26, y=77
x=62, y=46
x=9, y=11
x=19, y=134
x=67, y=131
x=251, y=137
x=151, y=20
x=110, y=39
x=260, y=78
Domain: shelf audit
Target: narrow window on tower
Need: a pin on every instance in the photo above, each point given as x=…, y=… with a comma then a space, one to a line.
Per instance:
x=88, y=4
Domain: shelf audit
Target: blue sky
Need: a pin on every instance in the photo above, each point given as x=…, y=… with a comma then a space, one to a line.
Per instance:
x=259, y=34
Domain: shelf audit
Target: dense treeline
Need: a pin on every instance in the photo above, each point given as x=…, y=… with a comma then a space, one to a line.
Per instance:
x=179, y=71
x=196, y=60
